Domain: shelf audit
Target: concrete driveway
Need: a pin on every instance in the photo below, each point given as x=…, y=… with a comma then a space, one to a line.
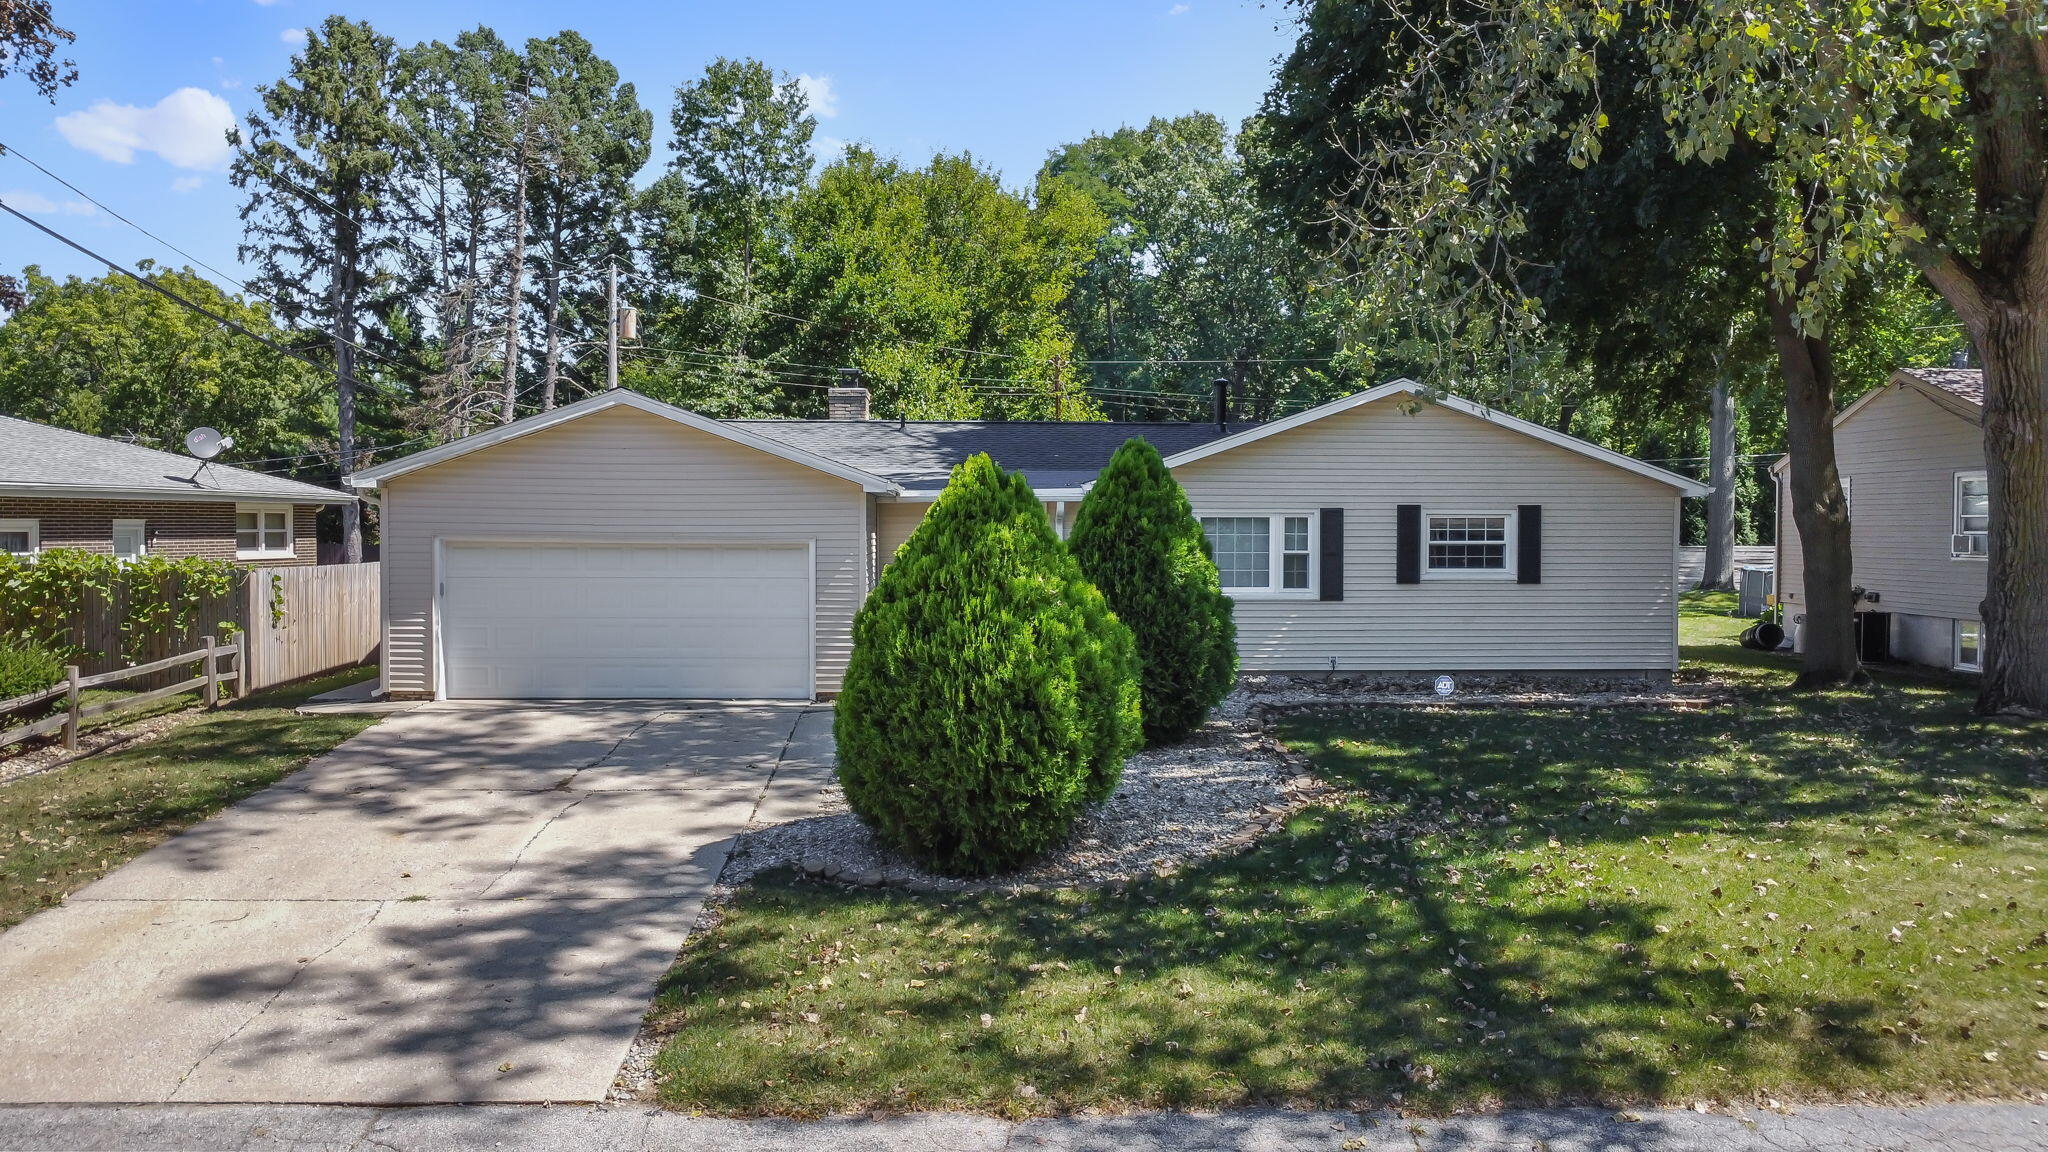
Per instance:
x=464, y=903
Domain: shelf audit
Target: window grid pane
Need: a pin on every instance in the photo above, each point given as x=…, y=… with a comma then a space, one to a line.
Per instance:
x=1242, y=547
x=14, y=542
x=1468, y=543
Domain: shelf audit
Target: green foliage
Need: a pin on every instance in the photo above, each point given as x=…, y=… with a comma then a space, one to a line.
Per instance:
x=27, y=667
x=1194, y=267
x=109, y=357
x=991, y=694
x=41, y=596
x=1137, y=539
x=896, y=270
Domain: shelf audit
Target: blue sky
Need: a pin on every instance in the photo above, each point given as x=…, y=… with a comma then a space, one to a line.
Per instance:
x=140, y=130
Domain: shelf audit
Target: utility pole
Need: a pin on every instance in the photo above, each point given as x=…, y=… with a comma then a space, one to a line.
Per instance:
x=611, y=332
x=1059, y=396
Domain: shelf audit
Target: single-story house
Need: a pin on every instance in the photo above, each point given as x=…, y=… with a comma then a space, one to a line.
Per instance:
x=620, y=546
x=65, y=489
x=1911, y=457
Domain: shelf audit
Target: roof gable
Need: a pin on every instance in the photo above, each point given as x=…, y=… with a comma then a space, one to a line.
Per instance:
x=1395, y=388
x=621, y=397
x=41, y=460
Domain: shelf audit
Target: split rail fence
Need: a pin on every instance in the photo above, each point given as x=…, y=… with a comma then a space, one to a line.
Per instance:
x=210, y=681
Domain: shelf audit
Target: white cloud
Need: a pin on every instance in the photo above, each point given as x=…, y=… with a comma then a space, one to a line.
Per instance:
x=293, y=36
x=188, y=129
x=1177, y=10
x=183, y=184
x=818, y=93
x=828, y=148
x=37, y=205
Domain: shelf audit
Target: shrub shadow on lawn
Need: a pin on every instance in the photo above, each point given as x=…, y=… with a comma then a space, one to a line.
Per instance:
x=1519, y=905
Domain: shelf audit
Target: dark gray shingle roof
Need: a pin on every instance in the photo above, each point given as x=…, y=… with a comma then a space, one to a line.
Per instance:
x=1963, y=383
x=922, y=453
x=36, y=456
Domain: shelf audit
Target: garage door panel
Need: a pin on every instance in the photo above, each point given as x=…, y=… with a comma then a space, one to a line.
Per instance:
x=590, y=620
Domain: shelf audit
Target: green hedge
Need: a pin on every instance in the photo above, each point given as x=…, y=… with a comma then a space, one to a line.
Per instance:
x=990, y=694
x=1137, y=539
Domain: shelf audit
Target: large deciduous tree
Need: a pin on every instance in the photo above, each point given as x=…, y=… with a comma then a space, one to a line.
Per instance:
x=942, y=286
x=1919, y=129
x=29, y=39
x=1195, y=277
x=109, y=357
x=317, y=166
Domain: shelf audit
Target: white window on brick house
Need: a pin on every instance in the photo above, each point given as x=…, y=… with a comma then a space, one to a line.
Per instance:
x=262, y=531
x=130, y=540
x=20, y=537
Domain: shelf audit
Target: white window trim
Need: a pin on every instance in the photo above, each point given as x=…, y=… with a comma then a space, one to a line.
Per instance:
x=34, y=528
x=1955, y=648
x=1955, y=522
x=291, y=535
x=141, y=529
x=1276, y=539
x=1511, y=544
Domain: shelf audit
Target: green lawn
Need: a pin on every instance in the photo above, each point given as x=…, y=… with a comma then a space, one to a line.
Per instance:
x=64, y=829
x=1795, y=896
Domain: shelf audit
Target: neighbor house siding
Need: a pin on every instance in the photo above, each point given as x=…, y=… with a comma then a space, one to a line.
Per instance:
x=171, y=528
x=1899, y=455
x=626, y=476
x=1606, y=601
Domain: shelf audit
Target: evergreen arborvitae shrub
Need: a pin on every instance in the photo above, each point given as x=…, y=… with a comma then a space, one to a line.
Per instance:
x=1137, y=539
x=990, y=694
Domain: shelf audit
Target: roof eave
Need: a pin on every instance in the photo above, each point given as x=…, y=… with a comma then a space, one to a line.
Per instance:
x=1685, y=485
x=374, y=477
x=199, y=496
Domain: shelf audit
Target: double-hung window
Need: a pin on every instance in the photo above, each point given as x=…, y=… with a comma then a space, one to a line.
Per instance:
x=262, y=530
x=19, y=537
x=1263, y=555
x=1470, y=544
x=1972, y=539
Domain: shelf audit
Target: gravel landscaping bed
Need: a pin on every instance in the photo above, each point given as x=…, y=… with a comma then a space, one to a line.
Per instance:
x=1213, y=793
x=1260, y=695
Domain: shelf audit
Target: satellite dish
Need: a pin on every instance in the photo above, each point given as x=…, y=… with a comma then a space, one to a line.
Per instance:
x=206, y=443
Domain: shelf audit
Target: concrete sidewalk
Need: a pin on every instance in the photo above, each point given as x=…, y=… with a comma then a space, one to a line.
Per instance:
x=302, y=1128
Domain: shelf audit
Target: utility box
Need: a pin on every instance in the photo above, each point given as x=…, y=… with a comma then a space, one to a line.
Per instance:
x=1754, y=584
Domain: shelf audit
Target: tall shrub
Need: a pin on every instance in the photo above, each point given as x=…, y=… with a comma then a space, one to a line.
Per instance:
x=1137, y=539
x=991, y=694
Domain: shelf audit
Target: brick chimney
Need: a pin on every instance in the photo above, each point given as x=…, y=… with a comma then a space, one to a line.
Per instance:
x=847, y=400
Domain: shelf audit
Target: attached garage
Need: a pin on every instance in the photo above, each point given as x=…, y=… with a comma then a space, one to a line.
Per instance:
x=580, y=620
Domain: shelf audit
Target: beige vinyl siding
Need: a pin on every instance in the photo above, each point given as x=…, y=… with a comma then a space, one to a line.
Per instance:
x=1609, y=548
x=897, y=519
x=619, y=475
x=1899, y=454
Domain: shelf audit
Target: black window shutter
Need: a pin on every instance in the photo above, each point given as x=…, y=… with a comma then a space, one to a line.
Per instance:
x=1408, y=544
x=1529, y=544
x=1332, y=520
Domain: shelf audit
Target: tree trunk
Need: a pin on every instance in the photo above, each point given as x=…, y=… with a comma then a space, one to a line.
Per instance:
x=1719, y=573
x=1818, y=510
x=551, y=362
x=509, y=401
x=346, y=254
x=2015, y=351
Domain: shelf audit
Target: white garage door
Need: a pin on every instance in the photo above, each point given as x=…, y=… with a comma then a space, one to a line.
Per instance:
x=619, y=620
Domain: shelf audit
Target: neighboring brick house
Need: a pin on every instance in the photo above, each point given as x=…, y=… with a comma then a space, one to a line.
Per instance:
x=64, y=489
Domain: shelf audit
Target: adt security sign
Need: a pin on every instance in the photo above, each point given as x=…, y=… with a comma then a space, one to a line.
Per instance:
x=1445, y=685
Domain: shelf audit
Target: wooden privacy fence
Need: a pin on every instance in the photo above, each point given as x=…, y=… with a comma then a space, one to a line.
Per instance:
x=210, y=680
x=326, y=618
x=288, y=623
